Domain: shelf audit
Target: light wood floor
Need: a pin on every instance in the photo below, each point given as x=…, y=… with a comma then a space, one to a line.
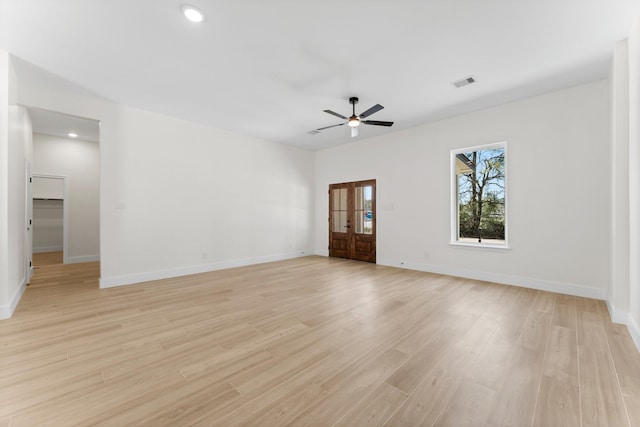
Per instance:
x=47, y=258
x=311, y=341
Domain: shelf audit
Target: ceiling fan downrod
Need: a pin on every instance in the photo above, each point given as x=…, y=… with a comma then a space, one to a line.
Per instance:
x=354, y=121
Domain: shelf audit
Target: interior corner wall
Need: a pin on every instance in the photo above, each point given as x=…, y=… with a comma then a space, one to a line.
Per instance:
x=79, y=162
x=20, y=152
x=558, y=177
x=178, y=197
x=618, y=292
x=634, y=183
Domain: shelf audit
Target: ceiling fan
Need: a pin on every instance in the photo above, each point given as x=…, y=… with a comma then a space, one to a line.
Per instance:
x=354, y=121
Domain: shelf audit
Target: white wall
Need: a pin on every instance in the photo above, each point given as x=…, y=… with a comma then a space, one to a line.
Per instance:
x=634, y=183
x=15, y=151
x=178, y=198
x=79, y=162
x=618, y=292
x=5, y=71
x=558, y=192
x=48, y=225
x=20, y=151
x=192, y=198
x=623, y=298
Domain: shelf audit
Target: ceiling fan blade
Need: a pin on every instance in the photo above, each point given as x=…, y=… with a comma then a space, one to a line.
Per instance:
x=371, y=110
x=332, y=126
x=354, y=132
x=376, y=123
x=333, y=113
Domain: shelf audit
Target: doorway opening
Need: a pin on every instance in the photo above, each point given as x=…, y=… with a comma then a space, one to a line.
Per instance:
x=65, y=186
x=352, y=220
x=49, y=220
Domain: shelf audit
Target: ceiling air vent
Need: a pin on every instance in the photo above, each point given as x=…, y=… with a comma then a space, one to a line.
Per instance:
x=464, y=82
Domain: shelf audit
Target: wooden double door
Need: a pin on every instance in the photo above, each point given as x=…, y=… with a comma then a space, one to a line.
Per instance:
x=352, y=220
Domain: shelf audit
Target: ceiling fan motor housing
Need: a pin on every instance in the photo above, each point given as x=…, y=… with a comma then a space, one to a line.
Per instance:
x=355, y=120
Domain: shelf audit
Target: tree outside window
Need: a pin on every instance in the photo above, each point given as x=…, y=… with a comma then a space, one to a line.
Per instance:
x=480, y=195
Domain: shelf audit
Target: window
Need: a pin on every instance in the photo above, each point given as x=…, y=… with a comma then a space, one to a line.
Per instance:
x=478, y=196
x=339, y=210
x=364, y=214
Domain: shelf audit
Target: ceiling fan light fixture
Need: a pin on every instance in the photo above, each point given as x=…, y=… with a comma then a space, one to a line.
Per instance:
x=355, y=120
x=192, y=13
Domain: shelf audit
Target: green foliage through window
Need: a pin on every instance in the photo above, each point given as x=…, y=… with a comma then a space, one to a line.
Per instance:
x=480, y=188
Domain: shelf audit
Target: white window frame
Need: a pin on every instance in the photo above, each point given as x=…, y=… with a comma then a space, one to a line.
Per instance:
x=454, y=199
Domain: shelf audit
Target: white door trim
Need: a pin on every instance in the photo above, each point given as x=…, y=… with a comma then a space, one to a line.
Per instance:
x=28, y=226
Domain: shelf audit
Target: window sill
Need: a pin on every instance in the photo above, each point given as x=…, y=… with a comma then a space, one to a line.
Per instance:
x=495, y=247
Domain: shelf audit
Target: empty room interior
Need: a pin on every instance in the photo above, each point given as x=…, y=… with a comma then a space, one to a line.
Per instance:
x=320, y=213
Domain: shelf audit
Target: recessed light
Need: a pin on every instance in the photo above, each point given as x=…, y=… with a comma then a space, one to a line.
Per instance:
x=72, y=135
x=192, y=13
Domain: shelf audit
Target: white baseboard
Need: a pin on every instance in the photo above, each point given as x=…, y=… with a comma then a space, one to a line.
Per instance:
x=322, y=252
x=617, y=315
x=129, y=279
x=43, y=249
x=624, y=318
x=79, y=259
x=6, y=311
x=634, y=330
x=505, y=279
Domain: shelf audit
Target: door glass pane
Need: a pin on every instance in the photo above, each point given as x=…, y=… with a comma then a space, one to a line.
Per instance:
x=368, y=222
x=343, y=199
x=364, y=210
x=339, y=211
x=335, y=193
x=359, y=198
x=368, y=209
x=339, y=199
x=339, y=220
x=367, y=197
x=364, y=221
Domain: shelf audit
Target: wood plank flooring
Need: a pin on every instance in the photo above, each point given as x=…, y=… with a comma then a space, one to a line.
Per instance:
x=47, y=258
x=311, y=342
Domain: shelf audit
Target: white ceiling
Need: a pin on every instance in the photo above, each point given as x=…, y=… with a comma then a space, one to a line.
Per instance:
x=58, y=124
x=268, y=68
